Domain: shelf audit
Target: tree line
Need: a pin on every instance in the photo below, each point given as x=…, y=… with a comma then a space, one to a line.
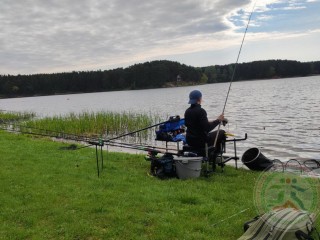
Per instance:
x=153, y=74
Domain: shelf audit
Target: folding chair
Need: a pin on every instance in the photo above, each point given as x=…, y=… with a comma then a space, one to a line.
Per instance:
x=213, y=156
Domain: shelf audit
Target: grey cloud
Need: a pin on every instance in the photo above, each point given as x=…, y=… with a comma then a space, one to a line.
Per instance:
x=41, y=35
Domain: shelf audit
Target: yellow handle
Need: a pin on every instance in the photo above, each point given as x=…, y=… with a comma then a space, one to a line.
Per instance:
x=229, y=134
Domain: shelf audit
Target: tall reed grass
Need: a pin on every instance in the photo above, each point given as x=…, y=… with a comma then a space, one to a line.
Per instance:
x=97, y=124
x=10, y=117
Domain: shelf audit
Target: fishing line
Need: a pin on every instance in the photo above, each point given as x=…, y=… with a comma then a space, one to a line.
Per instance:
x=18, y=128
x=234, y=70
x=232, y=216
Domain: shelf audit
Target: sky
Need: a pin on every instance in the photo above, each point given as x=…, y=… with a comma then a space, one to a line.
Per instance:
x=46, y=36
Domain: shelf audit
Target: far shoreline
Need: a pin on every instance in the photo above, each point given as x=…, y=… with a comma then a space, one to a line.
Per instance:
x=167, y=85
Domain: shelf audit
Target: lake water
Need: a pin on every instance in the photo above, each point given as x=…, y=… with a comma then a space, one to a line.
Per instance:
x=281, y=117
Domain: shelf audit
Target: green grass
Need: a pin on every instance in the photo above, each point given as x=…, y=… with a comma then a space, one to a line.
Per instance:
x=48, y=193
x=103, y=124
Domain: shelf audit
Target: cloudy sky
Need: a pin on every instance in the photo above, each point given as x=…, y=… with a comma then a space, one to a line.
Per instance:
x=44, y=36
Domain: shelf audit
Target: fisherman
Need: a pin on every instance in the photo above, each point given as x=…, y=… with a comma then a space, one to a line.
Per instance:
x=199, y=127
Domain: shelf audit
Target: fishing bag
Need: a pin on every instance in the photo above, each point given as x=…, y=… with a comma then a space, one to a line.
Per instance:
x=172, y=130
x=163, y=167
x=286, y=224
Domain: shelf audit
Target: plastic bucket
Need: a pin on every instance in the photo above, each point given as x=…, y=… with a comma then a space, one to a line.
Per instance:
x=255, y=160
x=188, y=167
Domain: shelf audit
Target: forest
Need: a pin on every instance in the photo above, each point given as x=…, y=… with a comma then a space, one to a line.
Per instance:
x=155, y=74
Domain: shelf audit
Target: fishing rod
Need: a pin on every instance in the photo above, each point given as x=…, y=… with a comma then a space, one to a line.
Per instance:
x=143, y=145
x=234, y=71
x=69, y=136
x=53, y=134
x=143, y=149
x=171, y=119
x=137, y=146
x=18, y=128
x=97, y=142
x=101, y=142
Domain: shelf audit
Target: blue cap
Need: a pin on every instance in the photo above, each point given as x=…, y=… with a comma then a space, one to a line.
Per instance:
x=194, y=96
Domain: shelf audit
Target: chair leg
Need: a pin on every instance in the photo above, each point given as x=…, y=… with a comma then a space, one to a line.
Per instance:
x=207, y=160
x=219, y=160
x=222, y=165
x=213, y=158
x=214, y=166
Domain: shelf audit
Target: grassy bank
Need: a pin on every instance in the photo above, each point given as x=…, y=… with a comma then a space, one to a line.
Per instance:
x=49, y=193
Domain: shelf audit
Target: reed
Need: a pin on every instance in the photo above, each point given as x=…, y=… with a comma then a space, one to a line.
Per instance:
x=97, y=124
x=10, y=117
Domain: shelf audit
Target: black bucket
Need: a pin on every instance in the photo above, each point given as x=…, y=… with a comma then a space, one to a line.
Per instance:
x=255, y=160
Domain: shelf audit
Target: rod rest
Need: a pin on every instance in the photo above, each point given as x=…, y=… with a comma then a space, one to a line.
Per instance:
x=238, y=139
x=96, y=143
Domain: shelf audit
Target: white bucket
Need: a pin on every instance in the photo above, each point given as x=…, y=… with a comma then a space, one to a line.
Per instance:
x=188, y=167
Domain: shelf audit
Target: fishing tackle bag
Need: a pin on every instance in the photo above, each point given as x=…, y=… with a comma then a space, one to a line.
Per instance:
x=162, y=167
x=285, y=224
x=172, y=130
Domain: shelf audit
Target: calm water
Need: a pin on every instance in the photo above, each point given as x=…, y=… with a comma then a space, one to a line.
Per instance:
x=281, y=117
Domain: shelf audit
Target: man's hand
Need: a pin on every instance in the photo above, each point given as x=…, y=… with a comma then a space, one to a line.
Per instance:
x=221, y=118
